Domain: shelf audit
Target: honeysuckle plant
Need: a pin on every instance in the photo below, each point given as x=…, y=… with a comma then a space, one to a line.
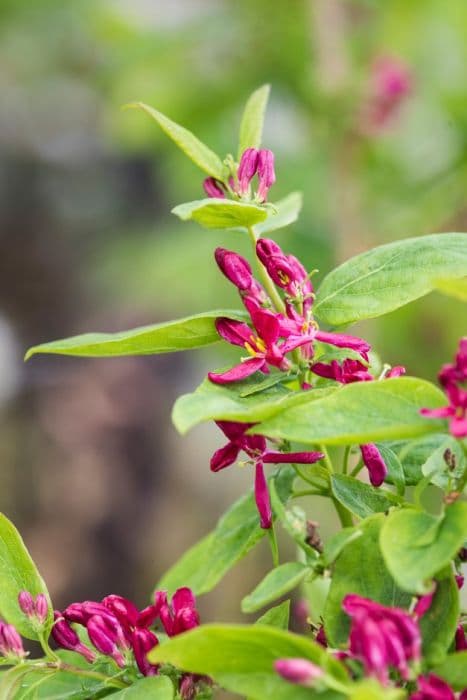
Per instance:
x=317, y=414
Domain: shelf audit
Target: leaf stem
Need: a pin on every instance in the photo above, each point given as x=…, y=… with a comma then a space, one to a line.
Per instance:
x=273, y=544
x=69, y=668
x=345, y=465
x=308, y=492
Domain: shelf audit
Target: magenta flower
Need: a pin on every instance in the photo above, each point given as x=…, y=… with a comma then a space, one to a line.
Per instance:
x=214, y=188
x=181, y=614
x=373, y=461
x=299, y=671
x=108, y=637
x=424, y=603
x=345, y=372
x=453, y=378
x=142, y=641
x=460, y=639
x=391, y=85
x=432, y=687
x=382, y=637
x=266, y=174
x=237, y=269
x=247, y=170
x=65, y=637
x=11, y=644
x=286, y=272
x=256, y=449
x=34, y=608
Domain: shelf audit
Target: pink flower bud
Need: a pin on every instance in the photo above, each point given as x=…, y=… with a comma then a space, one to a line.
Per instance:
x=266, y=174
x=26, y=603
x=235, y=268
x=374, y=462
x=187, y=687
x=11, y=644
x=124, y=610
x=262, y=497
x=300, y=671
x=460, y=639
x=424, y=603
x=107, y=636
x=213, y=188
x=42, y=608
x=432, y=687
x=143, y=641
x=459, y=581
x=66, y=638
x=247, y=169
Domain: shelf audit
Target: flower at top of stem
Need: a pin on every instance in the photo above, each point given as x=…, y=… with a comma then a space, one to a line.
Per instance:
x=453, y=379
x=299, y=671
x=431, y=687
x=252, y=162
x=181, y=614
x=247, y=170
x=266, y=173
x=214, y=188
x=11, y=645
x=37, y=609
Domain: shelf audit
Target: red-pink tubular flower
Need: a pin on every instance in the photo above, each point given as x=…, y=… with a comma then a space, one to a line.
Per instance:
x=321, y=638
x=424, y=603
x=432, y=687
x=26, y=603
x=108, y=637
x=374, y=462
x=181, y=615
x=459, y=580
x=214, y=188
x=460, y=639
x=262, y=500
x=66, y=638
x=266, y=174
x=286, y=272
x=11, y=644
x=391, y=85
x=394, y=372
x=346, y=372
x=82, y=612
x=235, y=268
x=341, y=340
x=382, y=637
x=143, y=640
x=299, y=671
x=247, y=169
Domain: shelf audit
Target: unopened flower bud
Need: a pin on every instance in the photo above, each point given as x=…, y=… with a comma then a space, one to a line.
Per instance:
x=424, y=603
x=263, y=502
x=26, y=603
x=65, y=637
x=266, y=174
x=235, y=268
x=374, y=462
x=42, y=608
x=460, y=639
x=11, y=644
x=187, y=687
x=247, y=169
x=107, y=637
x=143, y=641
x=300, y=671
x=213, y=188
x=459, y=580
x=124, y=610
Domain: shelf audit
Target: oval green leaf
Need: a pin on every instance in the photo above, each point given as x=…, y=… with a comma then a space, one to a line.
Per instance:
x=278, y=616
x=251, y=126
x=438, y=624
x=196, y=150
x=157, y=687
x=276, y=583
x=359, y=413
x=18, y=573
x=454, y=670
x=361, y=499
x=389, y=276
x=221, y=213
x=416, y=545
x=285, y=212
x=172, y=336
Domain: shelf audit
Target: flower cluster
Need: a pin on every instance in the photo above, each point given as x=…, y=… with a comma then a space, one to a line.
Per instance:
x=117, y=629
x=253, y=162
x=453, y=379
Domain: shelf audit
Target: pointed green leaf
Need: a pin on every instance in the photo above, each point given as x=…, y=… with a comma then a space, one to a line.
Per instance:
x=336, y=543
x=436, y=467
x=387, y=277
x=395, y=471
x=359, y=413
x=251, y=127
x=237, y=401
x=172, y=336
x=276, y=583
x=413, y=454
x=236, y=532
x=221, y=213
x=416, y=545
x=454, y=670
x=438, y=624
x=57, y=685
x=18, y=573
x=196, y=150
x=285, y=212
x=10, y=681
x=157, y=687
x=278, y=616
x=360, y=569
x=241, y=658
x=360, y=498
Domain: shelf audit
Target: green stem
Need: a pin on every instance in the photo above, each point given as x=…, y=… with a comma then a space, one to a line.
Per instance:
x=274, y=547
x=50, y=654
x=345, y=466
x=345, y=515
x=267, y=282
x=357, y=469
x=308, y=492
x=85, y=673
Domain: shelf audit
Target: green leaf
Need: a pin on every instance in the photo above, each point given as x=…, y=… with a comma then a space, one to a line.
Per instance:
x=360, y=569
x=237, y=531
x=157, y=687
x=371, y=690
x=416, y=545
x=241, y=658
x=436, y=466
x=453, y=288
x=10, y=680
x=414, y=453
x=251, y=126
x=336, y=543
x=293, y=521
x=236, y=402
x=57, y=685
x=221, y=213
x=285, y=212
x=387, y=277
x=171, y=336
x=18, y=573
x=454, y=670
x=276, y=583
x=196, y=150
x=358, y=413
x=361, y=499
x=395, y=470
x=438, y=624
x=278, y=616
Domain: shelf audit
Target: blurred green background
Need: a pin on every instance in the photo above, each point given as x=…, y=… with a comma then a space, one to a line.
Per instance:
x=104, y=491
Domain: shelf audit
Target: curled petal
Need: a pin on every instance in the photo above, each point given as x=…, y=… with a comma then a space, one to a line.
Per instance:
x=240, y=371
x=234, y=332
x=143, y=640
x=340, y=340
x=213, y=188
x=224, y=457
x=271, y=457
x=233, y=430
x=262, y=497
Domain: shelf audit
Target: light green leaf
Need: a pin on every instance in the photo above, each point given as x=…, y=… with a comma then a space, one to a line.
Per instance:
x=196, y=150
x=438, y=624
x=241, y=658
x=413, y=557
x=221, y=213
x=293, y=520
x=10, y=681
x=361, y=499
x=371, y=690
x=171, y=336
x=454, y=670
x=157, y=687
x=436, y=466
x=18, y=573
x=336, y=543
x=286, y=212
x=360, y=569
x=276, y=583
x=387, y=277
x=236, y=402
x=278, y=616
x=237, y=531
x=395, y=470
x=453, y=288
x=251, y=126
x=414, y=453
x=359, y=413
x=57, y=685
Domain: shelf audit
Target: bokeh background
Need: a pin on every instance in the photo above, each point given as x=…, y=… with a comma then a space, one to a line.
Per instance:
x=105, y=492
